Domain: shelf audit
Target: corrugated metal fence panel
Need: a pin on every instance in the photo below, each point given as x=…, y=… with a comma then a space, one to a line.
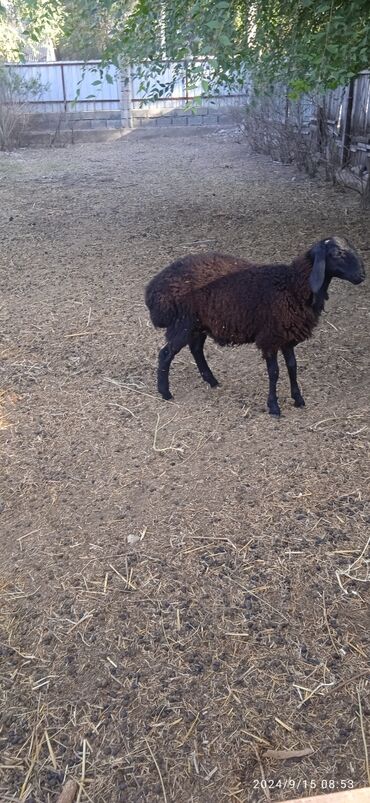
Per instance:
x=141, y=86
x=51, y=96
x=62, y=80
x=182, y=90
x=100, y=97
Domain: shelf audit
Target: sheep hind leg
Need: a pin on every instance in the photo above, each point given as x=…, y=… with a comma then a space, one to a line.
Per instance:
x=196, y=344
x=273, y=372
x=291, y=364
x=177, y=338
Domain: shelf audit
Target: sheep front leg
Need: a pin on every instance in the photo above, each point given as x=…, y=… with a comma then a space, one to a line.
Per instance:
x=165, y=358
x=291, y=364
x=273, y=372
x=196, y=344
x=177, y=338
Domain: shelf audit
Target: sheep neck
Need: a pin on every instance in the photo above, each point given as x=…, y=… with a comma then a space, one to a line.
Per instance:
x=318, y=299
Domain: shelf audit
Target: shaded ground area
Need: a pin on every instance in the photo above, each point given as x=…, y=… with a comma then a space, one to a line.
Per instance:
x=183, y=585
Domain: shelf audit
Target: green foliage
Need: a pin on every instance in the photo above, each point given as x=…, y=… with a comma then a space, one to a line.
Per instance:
x=24, y=22
x=15, y=91
x=14, y=88
x=310, y=45
x=9, y=35
x=303, y=43
x=86, y=30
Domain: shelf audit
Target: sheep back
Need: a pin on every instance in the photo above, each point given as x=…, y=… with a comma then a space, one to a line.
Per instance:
x=235, y=301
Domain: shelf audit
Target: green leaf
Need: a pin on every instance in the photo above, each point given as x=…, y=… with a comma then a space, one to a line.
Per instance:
x=225, y=40
x=212, y=25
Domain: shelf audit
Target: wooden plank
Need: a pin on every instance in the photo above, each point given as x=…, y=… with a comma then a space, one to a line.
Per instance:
x=348, y=124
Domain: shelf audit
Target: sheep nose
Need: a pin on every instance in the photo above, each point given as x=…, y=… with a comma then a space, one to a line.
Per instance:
x=361, y=270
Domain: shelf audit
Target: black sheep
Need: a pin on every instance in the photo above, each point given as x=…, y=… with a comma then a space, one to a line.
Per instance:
x=235, y=301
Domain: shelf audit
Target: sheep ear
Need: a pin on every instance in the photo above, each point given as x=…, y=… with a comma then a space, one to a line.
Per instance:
x=317, y=274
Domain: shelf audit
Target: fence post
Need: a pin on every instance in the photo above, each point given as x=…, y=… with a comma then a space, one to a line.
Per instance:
x=186, y=82
x=126, y=97
x=346, y=142
x=64, y=88
x=287, y=106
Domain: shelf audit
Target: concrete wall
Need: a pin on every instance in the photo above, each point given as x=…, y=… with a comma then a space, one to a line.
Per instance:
x=66, y=121
x=61, y=128
x=57, y=129
x=199, y=116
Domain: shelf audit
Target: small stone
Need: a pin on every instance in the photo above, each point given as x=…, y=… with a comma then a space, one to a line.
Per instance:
x=133, y=539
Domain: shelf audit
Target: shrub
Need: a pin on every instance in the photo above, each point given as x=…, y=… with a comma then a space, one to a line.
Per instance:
x=15, y=94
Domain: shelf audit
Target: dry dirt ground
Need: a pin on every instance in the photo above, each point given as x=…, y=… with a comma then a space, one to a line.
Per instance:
x=184, y=586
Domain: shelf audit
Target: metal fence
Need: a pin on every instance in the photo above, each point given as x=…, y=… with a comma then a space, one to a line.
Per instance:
x=79, y=86
x=184, y=89
x=69, y=86
x=75, y=86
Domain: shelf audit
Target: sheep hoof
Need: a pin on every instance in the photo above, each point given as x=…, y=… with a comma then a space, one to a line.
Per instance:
x=167, y=396
x=213, y=383
x=300, y=402
x=274, y=410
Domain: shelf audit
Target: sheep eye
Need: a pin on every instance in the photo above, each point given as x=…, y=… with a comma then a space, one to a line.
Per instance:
x=336, y=250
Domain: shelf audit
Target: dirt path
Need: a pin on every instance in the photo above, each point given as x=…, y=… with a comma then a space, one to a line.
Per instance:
x=172, y=603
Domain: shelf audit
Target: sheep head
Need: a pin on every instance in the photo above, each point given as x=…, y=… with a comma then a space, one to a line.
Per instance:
x=335, y=258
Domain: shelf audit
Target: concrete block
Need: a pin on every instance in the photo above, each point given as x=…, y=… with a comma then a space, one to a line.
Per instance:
x=183, y=120
x=76, y=125
x=164, y=121
x=79, y=115
x=102, y=114
x=97, y=123
x=181, y=112
x=46, y=121
x=151, y=122
x=140, y=114
x=154, y=111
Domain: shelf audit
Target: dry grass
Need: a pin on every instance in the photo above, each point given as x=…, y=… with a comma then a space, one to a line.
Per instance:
x=185, y=586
